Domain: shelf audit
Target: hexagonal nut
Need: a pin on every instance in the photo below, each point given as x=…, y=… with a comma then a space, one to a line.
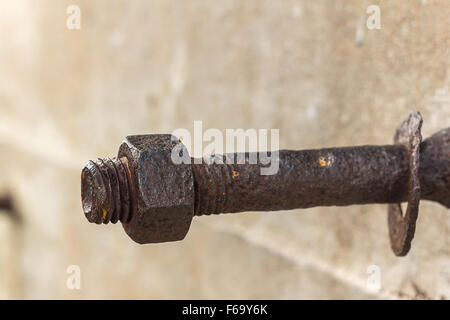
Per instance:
x=163, y=201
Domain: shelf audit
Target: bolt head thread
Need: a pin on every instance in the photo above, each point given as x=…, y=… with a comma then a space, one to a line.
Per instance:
x=105, y=191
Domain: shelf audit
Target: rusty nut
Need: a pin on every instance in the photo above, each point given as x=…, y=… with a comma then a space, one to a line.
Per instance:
x=162, y=191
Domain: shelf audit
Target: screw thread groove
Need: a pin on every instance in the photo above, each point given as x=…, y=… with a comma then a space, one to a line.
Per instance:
x=106, y=193
x=212, y=183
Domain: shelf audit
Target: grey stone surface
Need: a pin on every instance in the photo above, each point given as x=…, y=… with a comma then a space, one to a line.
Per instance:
x=310, y=68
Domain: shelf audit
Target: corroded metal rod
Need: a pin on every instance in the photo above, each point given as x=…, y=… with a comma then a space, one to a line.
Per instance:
x=324, y=177
x=156, y=199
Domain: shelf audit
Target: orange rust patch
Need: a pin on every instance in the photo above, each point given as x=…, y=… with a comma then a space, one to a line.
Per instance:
x=324, y=162
x=104, y=214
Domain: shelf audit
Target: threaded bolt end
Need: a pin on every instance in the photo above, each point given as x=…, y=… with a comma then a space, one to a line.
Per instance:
x=106, y=191
x=212, y=183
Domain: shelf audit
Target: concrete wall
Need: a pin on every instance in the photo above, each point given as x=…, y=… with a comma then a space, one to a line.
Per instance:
x=310, y=68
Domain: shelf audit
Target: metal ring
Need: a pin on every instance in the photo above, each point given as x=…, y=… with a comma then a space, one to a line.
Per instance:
x=402, y=227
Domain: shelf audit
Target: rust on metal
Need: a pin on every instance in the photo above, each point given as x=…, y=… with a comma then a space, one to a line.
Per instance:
x=156, y=199
x=402, y=227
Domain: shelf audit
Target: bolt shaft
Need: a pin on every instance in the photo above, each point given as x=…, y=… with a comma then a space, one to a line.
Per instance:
x=309, y=178
x=155, y=196
x=304, y=179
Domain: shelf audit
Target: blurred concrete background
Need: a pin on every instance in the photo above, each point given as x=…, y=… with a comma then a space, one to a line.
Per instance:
x=310, y=68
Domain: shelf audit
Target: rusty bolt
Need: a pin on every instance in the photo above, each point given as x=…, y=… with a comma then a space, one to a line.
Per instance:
x=156, y=199
x=150, y=195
